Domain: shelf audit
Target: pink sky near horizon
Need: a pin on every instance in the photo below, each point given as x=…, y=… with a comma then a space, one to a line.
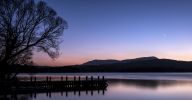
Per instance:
x=126, y=29
x=43, y=59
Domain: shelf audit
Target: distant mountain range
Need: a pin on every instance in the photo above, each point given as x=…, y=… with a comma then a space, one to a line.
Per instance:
x=143, y=64
x=111, y=61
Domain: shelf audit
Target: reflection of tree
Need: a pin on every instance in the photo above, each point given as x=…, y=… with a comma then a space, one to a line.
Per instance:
x=15, y=97
x=146, y=83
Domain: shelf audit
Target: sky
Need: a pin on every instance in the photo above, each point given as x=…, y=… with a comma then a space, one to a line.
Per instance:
x=122, y=29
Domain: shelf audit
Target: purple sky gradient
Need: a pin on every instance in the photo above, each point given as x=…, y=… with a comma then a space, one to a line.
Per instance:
x=122, y=29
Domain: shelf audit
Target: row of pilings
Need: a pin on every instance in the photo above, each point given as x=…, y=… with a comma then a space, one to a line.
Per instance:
x=50, y=85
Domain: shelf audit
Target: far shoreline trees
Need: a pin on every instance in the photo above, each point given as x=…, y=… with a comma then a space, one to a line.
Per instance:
x=26, y=26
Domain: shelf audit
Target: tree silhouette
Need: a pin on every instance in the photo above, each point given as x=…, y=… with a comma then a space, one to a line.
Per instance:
x=26, y=26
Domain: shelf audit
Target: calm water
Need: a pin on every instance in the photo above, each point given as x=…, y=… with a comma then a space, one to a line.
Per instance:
x=123, y=86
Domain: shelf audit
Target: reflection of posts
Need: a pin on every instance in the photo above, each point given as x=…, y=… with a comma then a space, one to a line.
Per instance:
x=16, y=97
x=98, y=82
x=79, y=93
x=86, y=84
x=35, y=95
x=98, y=91
x=50, y=95
x=39, y=85
x=74, y=92
x=91, y=92
x=74, y=85
x=103, y=92
x=91, y=85
x=61, y=93
x=66, y=94
x=47, y=94
x=86, y=91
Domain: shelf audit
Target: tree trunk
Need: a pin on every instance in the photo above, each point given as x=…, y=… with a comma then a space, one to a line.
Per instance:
x=4, y=71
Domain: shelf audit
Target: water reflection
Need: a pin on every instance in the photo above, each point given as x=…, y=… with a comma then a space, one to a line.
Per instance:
x=150, y=89
x=15, y=97
x=49, y=94
x=152, y=84
x=120, y=89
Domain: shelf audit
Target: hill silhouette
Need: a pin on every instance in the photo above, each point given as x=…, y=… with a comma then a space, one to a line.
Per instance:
x=101, y=62
x=143, y=64
x=112, y=61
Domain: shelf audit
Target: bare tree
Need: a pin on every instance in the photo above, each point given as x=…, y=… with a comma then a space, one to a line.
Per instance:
x=26, y=26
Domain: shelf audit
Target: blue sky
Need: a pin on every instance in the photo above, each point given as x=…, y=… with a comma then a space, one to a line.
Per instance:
x=122, y=29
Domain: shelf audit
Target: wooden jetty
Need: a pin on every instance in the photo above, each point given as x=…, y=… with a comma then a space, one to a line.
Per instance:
x=49, y=85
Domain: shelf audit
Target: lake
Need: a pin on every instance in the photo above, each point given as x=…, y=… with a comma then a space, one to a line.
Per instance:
x=122, y=86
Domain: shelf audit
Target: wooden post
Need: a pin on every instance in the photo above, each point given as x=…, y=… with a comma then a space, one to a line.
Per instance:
x=79, y=84
x=91, y=81
x=103, y=79
x=86, y=83
x=98, y=81
x=74, y=82
x=35, y=85
x=66, y=83
x=47, y=78
x=35, y=79
x=61, y=78
x=50, y=78
x=86, y=78
x=66, y=78
x=91, y=78
x=50, y=84
x=31, y=78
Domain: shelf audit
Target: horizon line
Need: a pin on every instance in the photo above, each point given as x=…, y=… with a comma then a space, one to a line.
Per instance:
x=112, y=59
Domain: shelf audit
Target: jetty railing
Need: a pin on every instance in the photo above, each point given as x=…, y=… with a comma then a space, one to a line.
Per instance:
x=48, y=84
